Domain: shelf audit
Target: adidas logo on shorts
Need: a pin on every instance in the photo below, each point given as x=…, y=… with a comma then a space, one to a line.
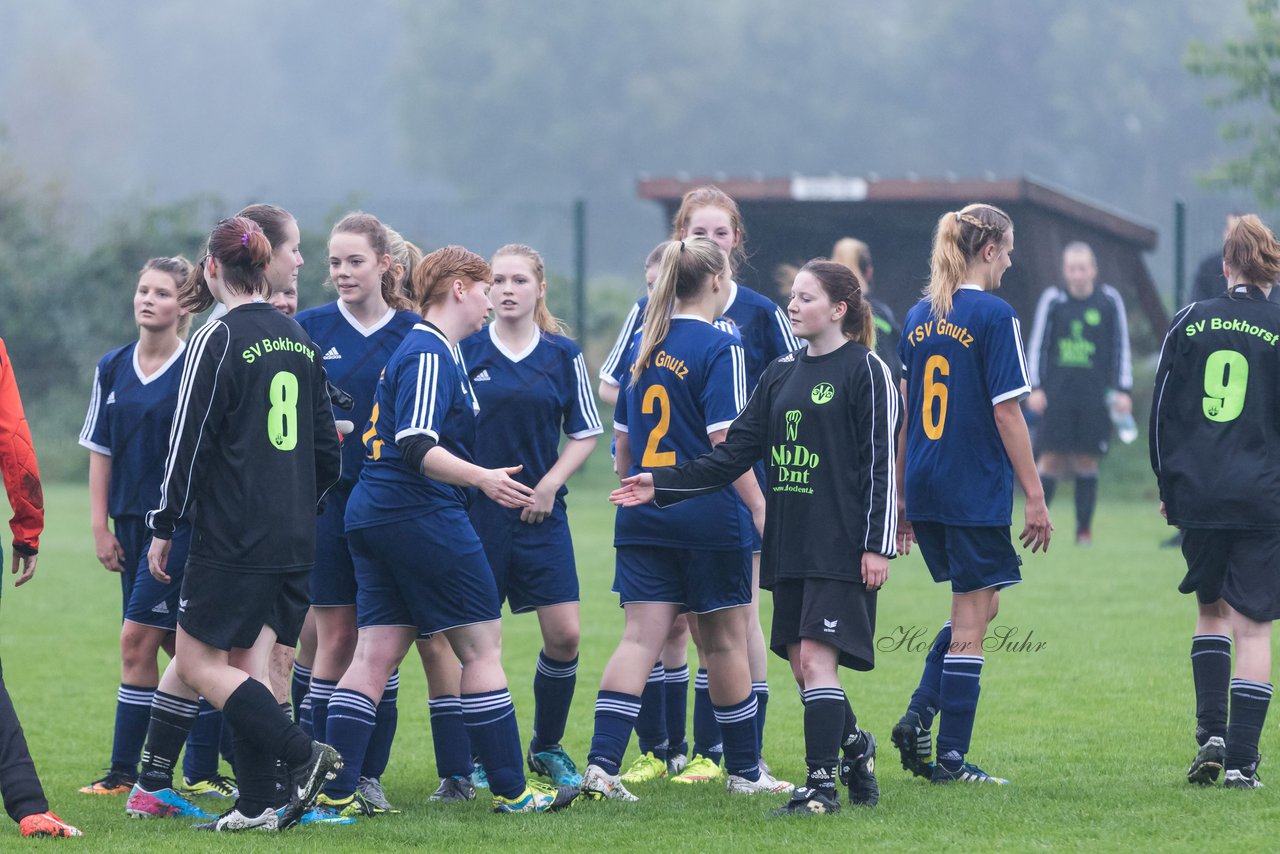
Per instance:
x=332, y=354
x=161, y=608
x=111, y=398
x=483, y=376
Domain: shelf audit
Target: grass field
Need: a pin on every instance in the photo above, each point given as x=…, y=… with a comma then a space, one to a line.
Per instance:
x=1093, y=726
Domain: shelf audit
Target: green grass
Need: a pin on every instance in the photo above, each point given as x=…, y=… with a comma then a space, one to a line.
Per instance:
x=1094, y=729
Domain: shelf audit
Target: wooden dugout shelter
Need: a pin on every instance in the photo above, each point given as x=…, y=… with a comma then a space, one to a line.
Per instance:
x=790, y=220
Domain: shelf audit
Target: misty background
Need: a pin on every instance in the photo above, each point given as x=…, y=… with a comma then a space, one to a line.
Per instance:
x=127, y=128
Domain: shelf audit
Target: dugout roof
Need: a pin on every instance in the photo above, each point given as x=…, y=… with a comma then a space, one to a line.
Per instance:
x=790, y=220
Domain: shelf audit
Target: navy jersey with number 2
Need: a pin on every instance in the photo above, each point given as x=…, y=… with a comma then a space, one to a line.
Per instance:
x=957, y=368
x=694, y=385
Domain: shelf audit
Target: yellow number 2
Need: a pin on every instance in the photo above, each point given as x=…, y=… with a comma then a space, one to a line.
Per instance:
x=656, y=395
x=935, y=389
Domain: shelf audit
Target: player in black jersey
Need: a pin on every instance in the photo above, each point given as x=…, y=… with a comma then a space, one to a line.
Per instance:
x=1215, y=431
x=1080, y=367
x=826, y=421
x=253, y=445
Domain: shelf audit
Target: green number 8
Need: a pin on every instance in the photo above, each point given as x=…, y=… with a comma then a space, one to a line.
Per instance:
x=282, y=417
x=1226, y=379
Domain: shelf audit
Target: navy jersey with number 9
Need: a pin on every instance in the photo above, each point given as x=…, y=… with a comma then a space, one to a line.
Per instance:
x=694, y=385
x=956, y=369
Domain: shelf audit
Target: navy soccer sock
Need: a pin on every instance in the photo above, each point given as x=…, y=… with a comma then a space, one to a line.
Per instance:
x=133, y=715
x=553, y=686
x=321, y=691
x=495, y=737
x=824, y=725
x=349, y=728
x=616, y=714
x=761, y=690
x=449, y=736
x=200, y=762
x=961, y=675
x=1211, y=674
x=738, y=727
x=171, y=721
x=1249, y=702
x=1086, y=501
x=384, y=730
x=651, y=723
x=677, y=705
x=707, y=739
x=298, y=688
x=924, y=702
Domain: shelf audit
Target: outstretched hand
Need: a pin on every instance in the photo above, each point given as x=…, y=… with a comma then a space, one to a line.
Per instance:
x=635, y=490
x=501, y=488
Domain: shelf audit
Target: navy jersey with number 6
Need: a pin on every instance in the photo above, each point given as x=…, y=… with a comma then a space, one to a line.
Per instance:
x=694, y=385
x=1215, y=420
x=526, y=399
x=129, y=419
x=353, y=359
x=423, y=391
x=253, y=444
x=956, y=369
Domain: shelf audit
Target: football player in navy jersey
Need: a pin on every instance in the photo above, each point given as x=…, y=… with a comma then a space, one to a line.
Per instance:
x=532, y=384
x=826, y=418
x=420, y=568
x=687, y=384
x=357, y=333
x=1215, y=425
x=765, y=333
x=964, y=375
x=135, y=391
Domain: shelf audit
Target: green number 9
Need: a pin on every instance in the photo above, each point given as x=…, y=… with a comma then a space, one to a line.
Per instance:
x=1226, y=379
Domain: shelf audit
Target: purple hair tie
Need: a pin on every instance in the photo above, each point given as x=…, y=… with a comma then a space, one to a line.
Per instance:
x=244, y=239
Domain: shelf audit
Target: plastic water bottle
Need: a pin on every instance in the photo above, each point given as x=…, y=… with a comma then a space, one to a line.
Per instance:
x=1126, y=427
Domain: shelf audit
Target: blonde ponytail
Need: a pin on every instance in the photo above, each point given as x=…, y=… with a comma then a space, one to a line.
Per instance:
x=957, y=240
x=686, y=267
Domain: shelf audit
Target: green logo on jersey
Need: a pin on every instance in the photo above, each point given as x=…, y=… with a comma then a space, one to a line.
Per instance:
x=822, y=393
x=1092, y=316
x=793, y=424
x=1076, y=351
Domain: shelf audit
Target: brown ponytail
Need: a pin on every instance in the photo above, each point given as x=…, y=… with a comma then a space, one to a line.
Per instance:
x=242, y=252
x=842, y=284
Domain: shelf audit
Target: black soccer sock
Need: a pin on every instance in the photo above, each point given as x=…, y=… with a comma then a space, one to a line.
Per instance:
x=255, y=715
x=1050, y=484
x=852, y=741
x=171, y=721
x=824, y=723
x=256, y=776
x=1086, y=501
x=1211, y=673
x=1249, y=701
